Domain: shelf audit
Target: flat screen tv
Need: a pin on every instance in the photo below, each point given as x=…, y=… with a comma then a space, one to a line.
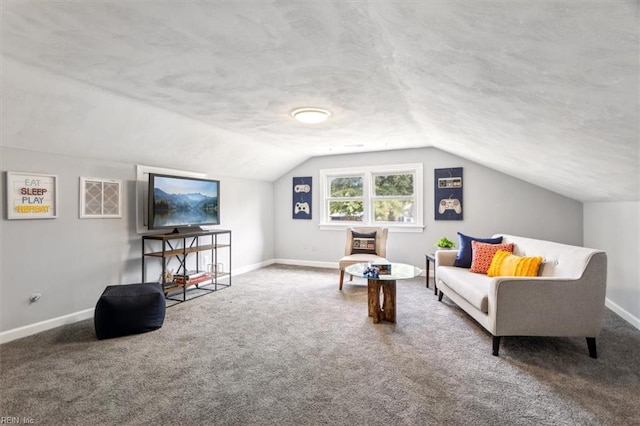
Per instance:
x=178, y=202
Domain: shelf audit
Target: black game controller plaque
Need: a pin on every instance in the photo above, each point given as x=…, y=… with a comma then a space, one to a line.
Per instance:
x=448, y=193
x=301, y=197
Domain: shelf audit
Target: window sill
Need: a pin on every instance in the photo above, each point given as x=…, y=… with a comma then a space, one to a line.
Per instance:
x=392, y=228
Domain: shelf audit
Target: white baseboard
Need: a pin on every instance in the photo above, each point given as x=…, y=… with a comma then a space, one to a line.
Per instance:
x=310, y=263
x=249, y=268
x=634, y=321
x=28, y=330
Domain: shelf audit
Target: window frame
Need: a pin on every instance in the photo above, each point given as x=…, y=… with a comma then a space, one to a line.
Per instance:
x=327, y=198
x=368, y=174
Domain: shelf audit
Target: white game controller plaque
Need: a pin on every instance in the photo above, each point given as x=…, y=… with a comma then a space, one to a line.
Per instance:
x=301, y=208
x=449, y=204
x=302, y=188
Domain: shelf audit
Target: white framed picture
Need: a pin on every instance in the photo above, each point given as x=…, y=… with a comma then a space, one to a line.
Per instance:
x=32, y=196
x=100, y=198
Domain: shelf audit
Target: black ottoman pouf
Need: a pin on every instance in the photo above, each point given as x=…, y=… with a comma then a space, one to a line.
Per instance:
x=129, y=309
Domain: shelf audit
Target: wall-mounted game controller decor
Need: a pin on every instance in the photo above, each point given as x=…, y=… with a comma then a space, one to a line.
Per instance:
x=302, y=197
x=448, y=193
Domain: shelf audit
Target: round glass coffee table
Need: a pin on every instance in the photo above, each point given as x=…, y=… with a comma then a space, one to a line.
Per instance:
x=383, y=286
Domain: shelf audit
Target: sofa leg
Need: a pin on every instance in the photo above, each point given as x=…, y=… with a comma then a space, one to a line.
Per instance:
x=591, y=344
x=440, y=294
x=341, y=278
x=496, y=345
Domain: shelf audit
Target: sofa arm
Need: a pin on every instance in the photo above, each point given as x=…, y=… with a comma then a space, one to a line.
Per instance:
x=445, y=257
x=550, y=306
x=544, y=306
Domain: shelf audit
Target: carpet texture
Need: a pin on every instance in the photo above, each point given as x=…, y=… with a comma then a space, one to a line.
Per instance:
x=283, y=346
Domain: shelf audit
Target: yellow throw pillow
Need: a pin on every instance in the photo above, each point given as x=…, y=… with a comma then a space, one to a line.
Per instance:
x=496, y=262
x=508, y=265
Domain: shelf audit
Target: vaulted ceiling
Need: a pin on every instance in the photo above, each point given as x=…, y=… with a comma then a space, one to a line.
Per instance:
x=544, y=91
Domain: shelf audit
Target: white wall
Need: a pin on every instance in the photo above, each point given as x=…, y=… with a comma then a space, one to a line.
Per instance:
x=615, y=228
x=493, y=203
x=71, y=260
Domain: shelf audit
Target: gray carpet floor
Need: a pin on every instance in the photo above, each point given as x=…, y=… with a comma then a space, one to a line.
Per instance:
x=283, y=346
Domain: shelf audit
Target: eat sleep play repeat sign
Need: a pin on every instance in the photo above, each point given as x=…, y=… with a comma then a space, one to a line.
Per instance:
x=31, y=196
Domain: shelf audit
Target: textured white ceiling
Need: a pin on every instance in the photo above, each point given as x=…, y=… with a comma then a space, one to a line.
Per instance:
x=545, y=91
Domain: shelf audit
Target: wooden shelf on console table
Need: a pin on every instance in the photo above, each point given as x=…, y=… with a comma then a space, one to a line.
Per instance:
x=187, y=250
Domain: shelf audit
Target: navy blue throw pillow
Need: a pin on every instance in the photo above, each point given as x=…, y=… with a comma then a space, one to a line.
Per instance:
x=465, y=254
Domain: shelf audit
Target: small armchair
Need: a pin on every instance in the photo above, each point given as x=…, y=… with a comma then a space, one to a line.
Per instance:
x=351, y=258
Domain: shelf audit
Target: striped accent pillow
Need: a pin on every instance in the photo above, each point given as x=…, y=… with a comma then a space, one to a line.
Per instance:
x=508, y=265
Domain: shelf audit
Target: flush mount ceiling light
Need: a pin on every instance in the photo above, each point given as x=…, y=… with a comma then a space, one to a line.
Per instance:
x=310, y=115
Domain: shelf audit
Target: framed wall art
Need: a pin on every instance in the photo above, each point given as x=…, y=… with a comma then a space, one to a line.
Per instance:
x=302, y=197
x=448, y=193
x=100, y=198
x=32, y=196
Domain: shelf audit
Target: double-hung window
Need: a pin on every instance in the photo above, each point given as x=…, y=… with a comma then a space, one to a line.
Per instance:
x=345, y=198
x=388, y=196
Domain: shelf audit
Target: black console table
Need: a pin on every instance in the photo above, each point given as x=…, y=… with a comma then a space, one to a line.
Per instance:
x=431, y=258
x=175, y=248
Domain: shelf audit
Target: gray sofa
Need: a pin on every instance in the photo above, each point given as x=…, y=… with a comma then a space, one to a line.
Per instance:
x=565, y=299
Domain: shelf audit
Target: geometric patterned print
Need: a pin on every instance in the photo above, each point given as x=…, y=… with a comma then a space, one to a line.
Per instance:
x=111, y=199
x=483, y=254
x=93, y=198
x=101, y=198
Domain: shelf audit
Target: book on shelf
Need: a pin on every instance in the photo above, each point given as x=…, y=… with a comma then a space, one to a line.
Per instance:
x=190, y=275
x=194, y=280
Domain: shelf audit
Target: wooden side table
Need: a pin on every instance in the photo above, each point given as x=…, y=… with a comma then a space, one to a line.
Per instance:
x=387, y=309
x=383, y=285
x=431, y=257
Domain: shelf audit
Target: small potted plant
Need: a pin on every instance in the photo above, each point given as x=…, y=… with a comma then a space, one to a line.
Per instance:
x=445, y=244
